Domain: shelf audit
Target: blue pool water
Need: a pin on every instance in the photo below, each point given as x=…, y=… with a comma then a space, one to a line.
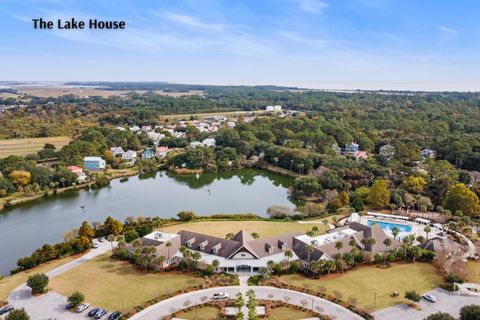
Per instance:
x=389, y=225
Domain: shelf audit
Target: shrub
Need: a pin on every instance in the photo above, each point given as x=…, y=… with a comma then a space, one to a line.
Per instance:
x=470, y=312
x=131, y=235
x=38, y=282
x=76, y=298
x=18, y=314
x=412, y=296
x=439, y=316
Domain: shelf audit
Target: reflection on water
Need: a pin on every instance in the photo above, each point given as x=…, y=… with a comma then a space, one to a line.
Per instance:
x=164, y=194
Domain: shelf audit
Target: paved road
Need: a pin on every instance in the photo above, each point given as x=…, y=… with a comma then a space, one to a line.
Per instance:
x=447, y=302
x=52, y=304
x=174, y=304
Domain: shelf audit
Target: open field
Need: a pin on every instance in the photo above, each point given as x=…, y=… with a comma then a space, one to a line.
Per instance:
x=201, y=313
x=21, y=147
x=118, y=285
x=9, y=283
x=473, y=268
x=219, y=113
x=263, y=228
x=362, y=283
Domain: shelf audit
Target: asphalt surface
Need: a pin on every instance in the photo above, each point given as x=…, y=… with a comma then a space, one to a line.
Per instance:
x=449, y=302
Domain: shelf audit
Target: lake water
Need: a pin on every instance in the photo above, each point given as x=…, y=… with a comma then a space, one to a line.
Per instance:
x=27, y=227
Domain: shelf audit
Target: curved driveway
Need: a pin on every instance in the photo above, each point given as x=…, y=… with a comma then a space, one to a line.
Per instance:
x=52, y=305
x=174, y=304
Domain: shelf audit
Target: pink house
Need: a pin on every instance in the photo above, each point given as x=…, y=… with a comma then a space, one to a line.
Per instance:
x=161, y=152
x=360, y=155
x=81, y=177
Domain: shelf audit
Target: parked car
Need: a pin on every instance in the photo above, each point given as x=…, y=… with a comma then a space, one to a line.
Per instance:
x=6, y=309
x=92, y=312
x=100, y=313
x=95, y=245
x=82, y=307
x=69, y=305
x=429, y=298
x=115, y=315
x=220, y=296
x=101, y=239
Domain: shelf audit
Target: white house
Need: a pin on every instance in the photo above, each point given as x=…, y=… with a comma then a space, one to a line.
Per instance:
x=209, y=142
x=117, y=151
x=428, y=153
x=155, y=136
x=195, y=144
x=135, y=129
x=130, y=157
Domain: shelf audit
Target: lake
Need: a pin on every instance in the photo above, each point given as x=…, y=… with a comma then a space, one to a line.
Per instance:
x=27, y=227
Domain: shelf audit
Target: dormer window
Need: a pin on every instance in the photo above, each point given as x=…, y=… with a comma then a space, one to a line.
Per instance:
x=203, y=245
x=314, y=242
x=216, y=247
x=282, y=245
x=190, y=242
x=268, y=248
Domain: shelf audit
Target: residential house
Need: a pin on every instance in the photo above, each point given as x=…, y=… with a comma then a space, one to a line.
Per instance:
x=117, y=151
x=351, y=148
x=336, y=149
x=134, y=128
x=195, y=144
x=428, y=154
x=81, y=176
x=442, y=245
x=120, y=128
x=147, y=128
x=130, y=157
x=387, y=151
x=148, y=154
x=360, y=155
x=273, y=108
x=161, y=152
x=155, y=136
x=93, y=163
x=209, y=142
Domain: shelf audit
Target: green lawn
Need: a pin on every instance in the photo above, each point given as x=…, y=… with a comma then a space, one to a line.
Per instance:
x=359, y=285
x=263, y=228
x=473, y=268
x=201, y=313
x=286, y=313
x=118, y=285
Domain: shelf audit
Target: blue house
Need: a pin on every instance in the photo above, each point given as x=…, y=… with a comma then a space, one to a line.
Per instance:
x=148, y=154
x=351, y=148
x=93, y=163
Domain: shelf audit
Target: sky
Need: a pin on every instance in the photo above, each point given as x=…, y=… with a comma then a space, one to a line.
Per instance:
x=323, y=44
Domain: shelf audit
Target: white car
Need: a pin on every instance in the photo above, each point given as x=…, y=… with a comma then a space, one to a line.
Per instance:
x=220, y=296
x=82, y=307
x=429, y=298
x=95, y=245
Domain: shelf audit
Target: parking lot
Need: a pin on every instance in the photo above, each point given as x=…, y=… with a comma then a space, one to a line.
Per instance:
x=449, y=302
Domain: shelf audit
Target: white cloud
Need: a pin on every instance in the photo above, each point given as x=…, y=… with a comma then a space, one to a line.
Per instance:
x=312, y=6
x=447, y=34
x=190, y=21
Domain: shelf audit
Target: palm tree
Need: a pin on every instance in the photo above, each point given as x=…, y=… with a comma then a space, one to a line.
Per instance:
x=395, y=232
x=168, y=245
x=229, y=236
x=387, y=243
x=315, y=230
x=416, y=253
x=427, y=230
x=161, y=260
x=338, y=256
x=215, y=264
x=270, y=264
x=338, y=246
x=137, y=243
x=254, y=235
x=288, y=254
x=309, y=248
x=300, y=168
x=111, y=238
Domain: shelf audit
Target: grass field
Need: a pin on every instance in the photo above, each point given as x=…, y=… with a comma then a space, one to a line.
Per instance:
x=473, y=268
x=9, y=283
x=201, y=313
x=286, y=313
x=362, y=283
x=263, y=228
x=21, y=147
x=118, y=285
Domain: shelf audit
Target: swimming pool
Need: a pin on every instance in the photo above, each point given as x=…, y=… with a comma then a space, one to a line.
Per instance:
x=390, y=225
